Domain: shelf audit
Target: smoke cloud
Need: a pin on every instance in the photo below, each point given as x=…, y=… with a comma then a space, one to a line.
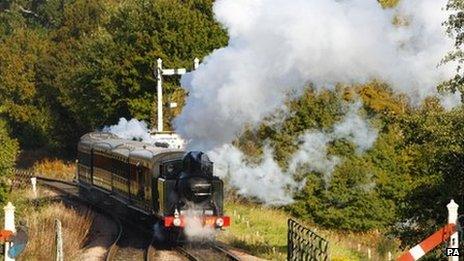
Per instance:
x=272, y=185
x=278, y=47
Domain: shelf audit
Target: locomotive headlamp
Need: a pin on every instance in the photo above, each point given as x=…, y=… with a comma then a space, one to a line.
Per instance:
x=219, y=222
x=177, y=222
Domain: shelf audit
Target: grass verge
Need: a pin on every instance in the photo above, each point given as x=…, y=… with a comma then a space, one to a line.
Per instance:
x=39, y=218
x=262, y=232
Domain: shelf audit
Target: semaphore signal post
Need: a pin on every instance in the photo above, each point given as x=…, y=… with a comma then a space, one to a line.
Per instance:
x=171, y=139
x=159, y=72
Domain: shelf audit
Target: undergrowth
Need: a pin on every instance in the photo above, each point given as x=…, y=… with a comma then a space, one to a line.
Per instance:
x=55, y=168
x=39, y=216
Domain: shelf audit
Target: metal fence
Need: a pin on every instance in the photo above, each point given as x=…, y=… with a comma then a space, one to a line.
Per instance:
x=305, y=245
x=21, y=178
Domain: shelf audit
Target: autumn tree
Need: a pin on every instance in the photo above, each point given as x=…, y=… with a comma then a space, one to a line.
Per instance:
x=455, y=29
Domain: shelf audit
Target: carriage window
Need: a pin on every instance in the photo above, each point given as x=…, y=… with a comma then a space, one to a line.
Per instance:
x=170, y=169
x=84, y=158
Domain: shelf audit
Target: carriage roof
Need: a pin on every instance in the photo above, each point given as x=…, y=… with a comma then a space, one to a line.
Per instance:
x=111, y=145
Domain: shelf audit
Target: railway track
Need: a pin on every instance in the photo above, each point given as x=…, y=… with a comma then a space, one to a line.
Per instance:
x=206, y=252
x=134, y=243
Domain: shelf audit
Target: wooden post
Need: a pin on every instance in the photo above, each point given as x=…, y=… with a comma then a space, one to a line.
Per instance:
x=452, y=219
x=196, y=63
x=389, y=256
x=59, y=241
x=369, y=254
x=9, y=210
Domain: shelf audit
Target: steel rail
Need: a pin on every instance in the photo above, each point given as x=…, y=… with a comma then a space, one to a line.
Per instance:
x=226, y=252
x=150, y=252
x=113, y=248
x=186, y=253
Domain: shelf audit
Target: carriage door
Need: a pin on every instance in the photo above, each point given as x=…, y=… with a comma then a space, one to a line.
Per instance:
x=140, y=183
x=147, y=175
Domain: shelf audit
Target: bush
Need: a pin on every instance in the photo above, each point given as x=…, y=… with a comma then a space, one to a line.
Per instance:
x=55, y=168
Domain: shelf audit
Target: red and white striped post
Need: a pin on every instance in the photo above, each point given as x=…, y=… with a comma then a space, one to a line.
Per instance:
x=452, y=219
x=445, y=233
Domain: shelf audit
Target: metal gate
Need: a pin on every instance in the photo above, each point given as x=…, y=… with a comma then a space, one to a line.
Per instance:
x=305, y=245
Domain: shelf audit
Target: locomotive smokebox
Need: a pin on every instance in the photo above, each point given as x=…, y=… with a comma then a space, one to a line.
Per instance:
x=195, y=181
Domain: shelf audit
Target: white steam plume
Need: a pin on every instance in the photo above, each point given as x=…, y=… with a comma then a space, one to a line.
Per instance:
x=194, y=229
x=278, y=47
x=312, y=156
x=131, y=130
x=272, y=185
x=355, y=129
x=265, y=181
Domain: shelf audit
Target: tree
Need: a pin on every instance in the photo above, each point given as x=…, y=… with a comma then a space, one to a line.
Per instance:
x=455, y=29
x=22, y=103
x=100, y=65
x=434, y=141
x=116, y=79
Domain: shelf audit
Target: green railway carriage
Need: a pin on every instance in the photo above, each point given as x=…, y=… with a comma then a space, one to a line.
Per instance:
x=124, y=168
x=158, y=182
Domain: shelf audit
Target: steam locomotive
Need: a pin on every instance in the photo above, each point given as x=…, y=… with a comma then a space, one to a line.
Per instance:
x=160, y=185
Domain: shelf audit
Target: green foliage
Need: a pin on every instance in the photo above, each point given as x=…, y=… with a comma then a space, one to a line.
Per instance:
x=69, y=67
x=8, y=153
x=20, y=99
x=454, y=28
x=434, y=140
x=118, y=67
